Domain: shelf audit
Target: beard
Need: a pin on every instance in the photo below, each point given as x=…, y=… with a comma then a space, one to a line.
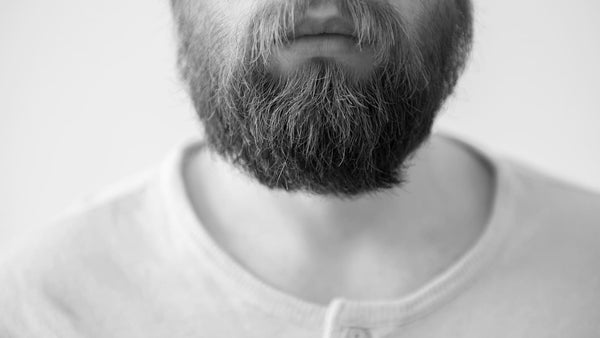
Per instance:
x=322, y=129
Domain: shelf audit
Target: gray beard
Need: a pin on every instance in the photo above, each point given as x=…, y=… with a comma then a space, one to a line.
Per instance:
x=319, y=129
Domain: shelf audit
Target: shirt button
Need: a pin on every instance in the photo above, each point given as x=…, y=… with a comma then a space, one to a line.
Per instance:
x=357, y=332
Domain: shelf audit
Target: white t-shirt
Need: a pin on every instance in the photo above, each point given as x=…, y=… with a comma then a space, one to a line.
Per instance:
x=136, y=262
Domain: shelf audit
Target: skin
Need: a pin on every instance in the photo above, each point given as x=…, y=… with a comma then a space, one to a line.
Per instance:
x=373, y=246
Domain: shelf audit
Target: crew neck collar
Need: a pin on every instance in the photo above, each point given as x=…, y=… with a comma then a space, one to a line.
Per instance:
x=399, y=311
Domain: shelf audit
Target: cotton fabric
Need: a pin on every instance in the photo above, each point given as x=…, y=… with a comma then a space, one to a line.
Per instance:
x=136, y=262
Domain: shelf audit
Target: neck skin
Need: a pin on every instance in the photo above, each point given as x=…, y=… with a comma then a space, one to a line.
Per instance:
x=376, y=246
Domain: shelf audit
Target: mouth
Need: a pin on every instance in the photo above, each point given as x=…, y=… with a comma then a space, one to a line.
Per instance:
x=333, y=39
x=324, y=37
x=330, y=29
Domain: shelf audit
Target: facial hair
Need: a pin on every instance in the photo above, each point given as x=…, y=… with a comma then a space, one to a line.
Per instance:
x=321, y=129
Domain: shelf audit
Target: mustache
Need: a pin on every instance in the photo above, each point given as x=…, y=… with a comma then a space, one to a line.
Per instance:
x=377, y=25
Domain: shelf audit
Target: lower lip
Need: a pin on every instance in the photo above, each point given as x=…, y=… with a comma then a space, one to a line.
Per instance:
x=342, y=49
x=323, y=44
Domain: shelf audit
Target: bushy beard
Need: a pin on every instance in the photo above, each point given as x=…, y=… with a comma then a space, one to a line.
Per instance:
x=322, y=129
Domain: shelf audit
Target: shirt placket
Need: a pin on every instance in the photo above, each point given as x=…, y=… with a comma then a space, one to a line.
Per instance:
x=335, y=328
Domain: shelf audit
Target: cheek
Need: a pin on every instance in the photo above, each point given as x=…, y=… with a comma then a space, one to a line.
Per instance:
x=234, y=15
x=228, y=16
x=215, y=25
x=412, y=11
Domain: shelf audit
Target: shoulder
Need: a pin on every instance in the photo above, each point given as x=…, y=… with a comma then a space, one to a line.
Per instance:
x=560, y=205
x=553, y=246
x=91, y=223
x=49, y=273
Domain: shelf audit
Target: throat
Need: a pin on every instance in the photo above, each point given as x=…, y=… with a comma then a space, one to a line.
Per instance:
x=318, y=248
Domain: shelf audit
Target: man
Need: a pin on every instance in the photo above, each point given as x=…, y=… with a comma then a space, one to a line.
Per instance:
x=317, y=204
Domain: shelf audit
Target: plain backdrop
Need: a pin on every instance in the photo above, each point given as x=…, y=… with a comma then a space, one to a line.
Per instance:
x=89, y=95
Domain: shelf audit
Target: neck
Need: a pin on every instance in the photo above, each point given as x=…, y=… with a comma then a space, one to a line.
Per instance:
x=417, y=229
